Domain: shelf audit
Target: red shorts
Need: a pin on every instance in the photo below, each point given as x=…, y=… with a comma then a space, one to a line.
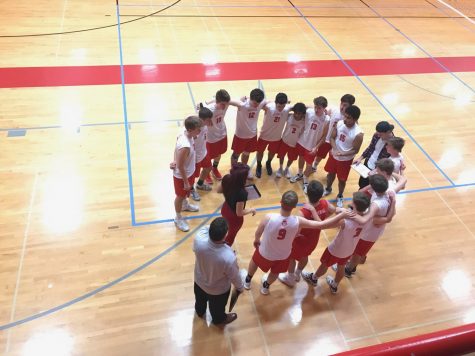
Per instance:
x=178, y=183
x=303, y=246
x=323, y=150
x=328, y=259
x=241, y=145
x=272, y=146
x=204, y=163
x=264, y=264
x=303, y=152
x=341, y=168
x=217, y=148
x=363, y=247
x=285, y=149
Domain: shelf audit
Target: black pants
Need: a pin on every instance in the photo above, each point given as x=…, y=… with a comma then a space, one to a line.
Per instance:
x=217, y=304
x=363, y=182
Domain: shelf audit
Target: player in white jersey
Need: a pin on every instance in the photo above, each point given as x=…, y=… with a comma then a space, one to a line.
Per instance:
x=335, y=116
x=394, y=148
x=385, y=167
x=346, y=141
x=342, y=247
x=316, y=124
x=293, y=129
x=245, y=137
x=183, y=173
x=381, y=212
x=278, y=232
x=275, y=117
x=217, y=137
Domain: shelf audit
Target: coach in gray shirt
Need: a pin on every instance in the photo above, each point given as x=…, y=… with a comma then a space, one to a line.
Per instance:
x=215, y=269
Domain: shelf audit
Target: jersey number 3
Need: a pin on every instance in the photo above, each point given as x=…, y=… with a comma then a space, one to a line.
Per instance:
x=281, y=234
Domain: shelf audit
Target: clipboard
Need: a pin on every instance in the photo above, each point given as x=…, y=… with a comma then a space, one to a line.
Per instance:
x=252, y=192
x=361, y=169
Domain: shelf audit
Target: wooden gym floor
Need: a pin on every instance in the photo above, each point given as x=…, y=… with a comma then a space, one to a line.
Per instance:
x=91, y=263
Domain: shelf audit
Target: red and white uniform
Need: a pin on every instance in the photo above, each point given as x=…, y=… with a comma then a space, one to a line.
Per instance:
x=200, y=144
x=278, y=237
x=313, y=129
x=183, y=141
x=344, y=140
x=274, y=123
x=343, y=245
x=372, y=233
x=398, y=162
x=292, y=131
x=335, y=117
x=246, y=120
x=217, y=131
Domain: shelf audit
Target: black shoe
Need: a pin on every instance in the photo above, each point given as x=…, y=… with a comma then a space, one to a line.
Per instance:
x=348, y=273
x=258, y=171
x=268, y=168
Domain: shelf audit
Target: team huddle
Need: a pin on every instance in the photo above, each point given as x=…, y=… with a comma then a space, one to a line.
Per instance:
x=283, y=242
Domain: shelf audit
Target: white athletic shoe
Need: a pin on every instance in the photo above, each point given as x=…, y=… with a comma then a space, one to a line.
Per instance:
x=186, y=206
x=243, y=274
x=279, y=173
x=287, y=279
x=194, y=195
x=181, y=224
x=264, y=290
x=331, y=283
x=296, y=177
x=287, y=173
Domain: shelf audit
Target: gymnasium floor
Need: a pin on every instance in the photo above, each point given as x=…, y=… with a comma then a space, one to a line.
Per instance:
x=91, y=263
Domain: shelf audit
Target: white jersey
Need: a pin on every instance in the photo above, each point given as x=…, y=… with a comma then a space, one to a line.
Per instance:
x=183, y=141
x=200, y=144
x=344, y=244
x=334, y=118
x=373, y=232
x=274, y=122
x=344, y=140
x=278, y=236
x=397, y=163
x=313, y=129
x=292, y=131
x=246, y=120
x=217, y=131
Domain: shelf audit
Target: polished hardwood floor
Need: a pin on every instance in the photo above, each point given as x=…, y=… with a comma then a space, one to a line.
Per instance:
x=91, y=262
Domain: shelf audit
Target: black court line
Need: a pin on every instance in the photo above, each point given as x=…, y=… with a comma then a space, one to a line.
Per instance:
x=297, y=16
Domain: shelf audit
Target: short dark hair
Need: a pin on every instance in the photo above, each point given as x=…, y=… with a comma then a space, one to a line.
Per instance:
x=218, y=229
x=314, y=191
x=379, y=183
x=222, y=96
x=348, y=98
x=300, y=108
x=204, y=112
x=192, y=122
x=289, y=200
x=384, y=126
x=281, y=98
x=397, y=143
x=353, y=111
x=361, y=201
x=320, y=101
x=257, y=95
x=386, y=165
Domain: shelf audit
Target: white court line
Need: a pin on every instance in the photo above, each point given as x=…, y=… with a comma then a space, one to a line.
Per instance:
x=457, y=11
x=22, y=257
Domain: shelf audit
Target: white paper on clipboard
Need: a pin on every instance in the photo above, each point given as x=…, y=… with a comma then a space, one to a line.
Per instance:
x=361, y=169
x=252, y=192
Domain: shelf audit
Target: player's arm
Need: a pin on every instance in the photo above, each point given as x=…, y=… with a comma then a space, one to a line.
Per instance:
x=181, y=157
x=260, y=230
x=240, y=211
x=401, y=182
x=331, y=209
x=381, y=220
x=326, y=224
x=363, y=219
x=237, y=103
x=311, y=208
x=333, y=138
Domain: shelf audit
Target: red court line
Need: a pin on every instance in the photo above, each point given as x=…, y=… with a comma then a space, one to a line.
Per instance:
x=197, y=72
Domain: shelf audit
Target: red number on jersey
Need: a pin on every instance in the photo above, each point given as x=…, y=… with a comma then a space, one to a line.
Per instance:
x=342, y=138
x=252, y=114
x=357, y=232
x=294, y=130
x=281, y=234
x=219, y=119
x=314, y=126
x=276, y=119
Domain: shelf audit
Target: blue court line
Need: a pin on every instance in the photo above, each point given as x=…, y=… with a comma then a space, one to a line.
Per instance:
x=126, y=123
x=275, y=207
x=423, y=50
x=372, y=93
x=105, y=286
